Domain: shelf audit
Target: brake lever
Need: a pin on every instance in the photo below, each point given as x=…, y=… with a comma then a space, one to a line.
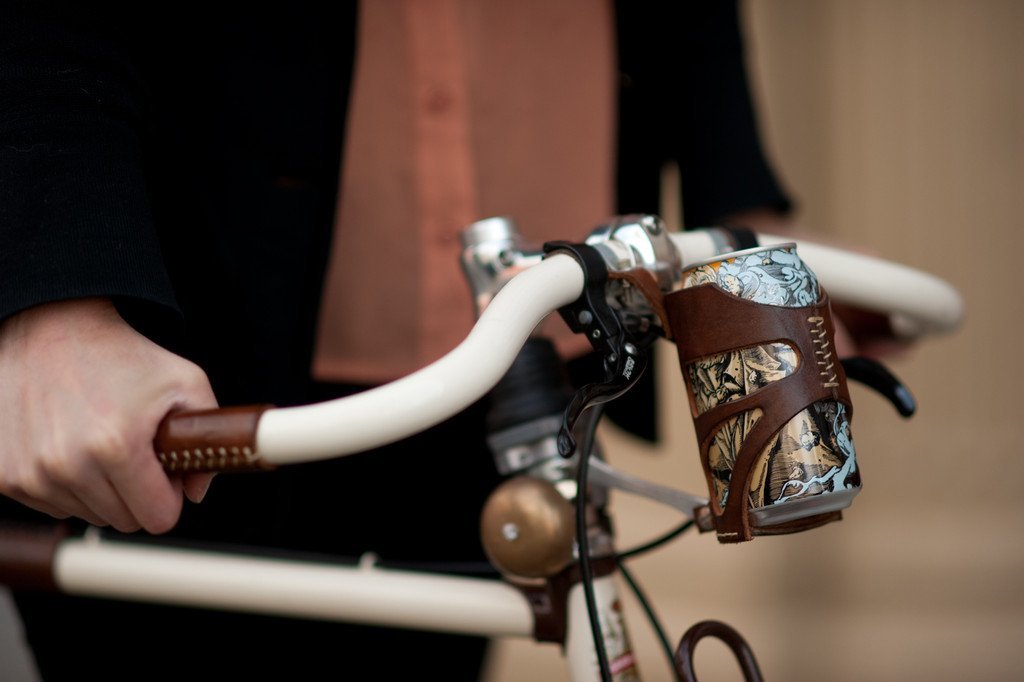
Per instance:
x=623, y=358
x=877, y=376
x=623, y=376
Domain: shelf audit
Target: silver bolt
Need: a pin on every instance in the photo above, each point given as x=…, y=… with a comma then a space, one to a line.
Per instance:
x=585, y=317
x=510, y=531
x=629, y=348
x=596, y=334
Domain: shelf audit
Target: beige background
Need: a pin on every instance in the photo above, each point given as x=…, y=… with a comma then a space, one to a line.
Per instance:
x=898, y=126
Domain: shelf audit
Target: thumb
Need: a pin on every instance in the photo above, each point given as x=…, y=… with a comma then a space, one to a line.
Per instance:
x=196, y=394
x=196, y=486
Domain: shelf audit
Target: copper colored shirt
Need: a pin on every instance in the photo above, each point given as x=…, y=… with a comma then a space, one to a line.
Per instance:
x=462, y=110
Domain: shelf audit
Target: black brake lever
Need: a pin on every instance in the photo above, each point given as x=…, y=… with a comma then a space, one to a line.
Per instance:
x=624, y=357
x=877, y=376
x=620, y=380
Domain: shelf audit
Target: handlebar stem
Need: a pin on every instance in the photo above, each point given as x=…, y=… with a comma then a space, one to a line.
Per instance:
x=493, y=253
x=639, y=241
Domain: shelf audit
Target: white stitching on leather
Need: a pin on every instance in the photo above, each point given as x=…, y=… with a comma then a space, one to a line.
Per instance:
x=823, y=352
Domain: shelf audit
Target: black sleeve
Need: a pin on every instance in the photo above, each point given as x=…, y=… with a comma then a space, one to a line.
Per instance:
x=685, y=98
x=74, y=213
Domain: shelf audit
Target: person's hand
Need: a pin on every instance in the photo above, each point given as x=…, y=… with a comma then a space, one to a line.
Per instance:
x=81, y=396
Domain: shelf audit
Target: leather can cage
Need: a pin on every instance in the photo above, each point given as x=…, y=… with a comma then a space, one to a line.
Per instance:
x=706, y=321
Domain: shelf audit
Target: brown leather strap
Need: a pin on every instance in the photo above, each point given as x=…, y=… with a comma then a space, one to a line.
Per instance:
x=707, y=321
x=222, y=439
x=548, y=597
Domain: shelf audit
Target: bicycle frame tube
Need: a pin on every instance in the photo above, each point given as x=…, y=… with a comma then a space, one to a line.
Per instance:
x=367, y=594
x=579, y=642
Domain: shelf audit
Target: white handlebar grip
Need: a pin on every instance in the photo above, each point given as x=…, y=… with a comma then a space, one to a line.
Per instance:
x=918, y=303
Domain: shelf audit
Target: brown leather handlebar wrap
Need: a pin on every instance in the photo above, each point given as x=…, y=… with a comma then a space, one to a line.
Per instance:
x=706, y=321
x=27, y=554
x=222, y=439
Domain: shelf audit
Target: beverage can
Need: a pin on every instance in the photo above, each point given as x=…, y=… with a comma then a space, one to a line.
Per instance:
x=809, y=466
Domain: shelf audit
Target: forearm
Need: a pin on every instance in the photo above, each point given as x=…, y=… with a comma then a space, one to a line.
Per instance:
x=81, y=391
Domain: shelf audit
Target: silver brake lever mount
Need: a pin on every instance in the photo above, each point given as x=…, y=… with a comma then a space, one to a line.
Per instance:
x=634, y=242
x=494, y=252
x=639, y=241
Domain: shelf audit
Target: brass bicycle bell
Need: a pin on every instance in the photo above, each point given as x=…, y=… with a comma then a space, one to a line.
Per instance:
x=527, y=528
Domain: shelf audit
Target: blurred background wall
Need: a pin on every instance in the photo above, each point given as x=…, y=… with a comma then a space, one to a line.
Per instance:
x=899, y=127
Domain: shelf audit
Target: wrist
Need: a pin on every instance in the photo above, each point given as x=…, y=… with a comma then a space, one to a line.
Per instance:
x=58, y=322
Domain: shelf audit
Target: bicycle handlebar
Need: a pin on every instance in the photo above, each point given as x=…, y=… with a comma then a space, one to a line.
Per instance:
x=215, y=440
x=265, y=436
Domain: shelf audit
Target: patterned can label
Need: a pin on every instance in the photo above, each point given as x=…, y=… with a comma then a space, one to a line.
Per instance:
x=809, y=466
